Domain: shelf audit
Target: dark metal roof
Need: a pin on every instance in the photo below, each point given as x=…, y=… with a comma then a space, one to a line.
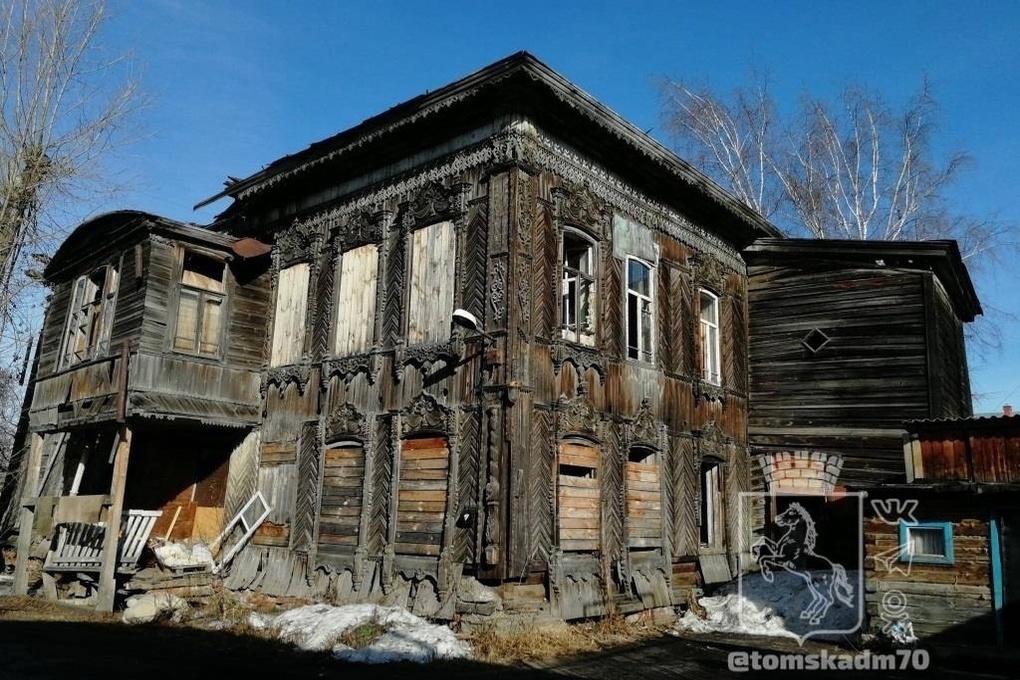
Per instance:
x=941, y=257
x=522, y=84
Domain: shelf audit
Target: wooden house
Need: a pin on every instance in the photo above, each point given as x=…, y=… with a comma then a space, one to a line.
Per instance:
x=497, y=332
x=942, y=550
x=847, y=340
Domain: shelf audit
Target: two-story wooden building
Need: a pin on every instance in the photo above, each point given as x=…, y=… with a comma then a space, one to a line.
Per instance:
x=582, y=428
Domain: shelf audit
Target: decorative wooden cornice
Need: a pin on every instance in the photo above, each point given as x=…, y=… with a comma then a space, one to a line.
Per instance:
x=346, y=420
x=425, y=414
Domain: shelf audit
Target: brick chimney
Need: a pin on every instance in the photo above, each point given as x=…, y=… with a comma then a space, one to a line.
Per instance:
x=1007, y=410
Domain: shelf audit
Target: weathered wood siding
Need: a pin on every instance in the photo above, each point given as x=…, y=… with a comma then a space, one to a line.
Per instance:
x=948, y=377
x=852, y=396
x=951, y=601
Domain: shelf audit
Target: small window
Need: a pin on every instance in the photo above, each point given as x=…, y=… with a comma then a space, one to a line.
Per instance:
x=640, y=313
x=289, y=320
x=90, y=317
x=578, y=293
x=200, y=305
x=711, y=370
x=927, y=542
x=355, y=317
x=712, y=512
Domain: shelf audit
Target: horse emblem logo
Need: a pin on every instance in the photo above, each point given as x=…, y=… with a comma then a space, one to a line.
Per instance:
x=801, y=581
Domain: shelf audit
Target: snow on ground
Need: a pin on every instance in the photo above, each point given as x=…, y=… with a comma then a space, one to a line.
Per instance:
x=408, y=637
x=759, y=607
x=178, y=555
x=6, y=584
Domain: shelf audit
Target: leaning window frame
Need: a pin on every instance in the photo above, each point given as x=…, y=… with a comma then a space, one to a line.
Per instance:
x=947, y=558
x=97, y=339
x=573, y=332
x=650, y=299
x=182, y=252
x=711, y=366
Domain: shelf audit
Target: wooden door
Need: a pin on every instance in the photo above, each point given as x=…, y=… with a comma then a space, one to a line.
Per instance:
x=422, y=495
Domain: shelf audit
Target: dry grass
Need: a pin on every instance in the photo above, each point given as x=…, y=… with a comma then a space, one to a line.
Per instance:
x=525, y=642
x=362, y=636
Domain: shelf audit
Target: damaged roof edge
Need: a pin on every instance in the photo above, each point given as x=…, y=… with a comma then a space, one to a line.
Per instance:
x=521, y=62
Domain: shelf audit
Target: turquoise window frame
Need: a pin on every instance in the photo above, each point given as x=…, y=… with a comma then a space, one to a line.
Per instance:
x=947, y=539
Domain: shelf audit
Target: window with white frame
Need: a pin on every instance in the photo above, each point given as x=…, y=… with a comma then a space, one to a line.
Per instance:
x=640, y=310
x=289, y=320
x=200, y=303
x=711, y=364
x=90, y=316
x=578, y=289
x=430, y=289
x=355, y=318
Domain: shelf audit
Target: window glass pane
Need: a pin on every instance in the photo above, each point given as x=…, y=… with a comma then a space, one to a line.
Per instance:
x=187, y=321
x=577, y=254
x=584, y=315
x=709, y=309
x=210, y=340
x=633, y=325
x=646, y=330
x=926, y=541
x=638, y=277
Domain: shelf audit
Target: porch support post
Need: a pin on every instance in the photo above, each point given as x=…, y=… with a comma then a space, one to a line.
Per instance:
x=29, y=494
x=111, y=538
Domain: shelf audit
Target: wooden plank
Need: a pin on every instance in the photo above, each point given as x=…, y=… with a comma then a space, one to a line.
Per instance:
x=416, y=549
x=577, y=534
x=578, y=460
x=424, y=464
x=29, y=490
x=578, y=545
x=589, y=522
x=420, y=506
x=414, y=454
x=431, y=284
x=429, y=496
x=578, y=507
x=355, y=320
x=289, y=320
x=432, y=443
x=118, y=483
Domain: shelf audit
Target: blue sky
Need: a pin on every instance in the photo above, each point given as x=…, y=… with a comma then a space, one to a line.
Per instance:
x=235, y=85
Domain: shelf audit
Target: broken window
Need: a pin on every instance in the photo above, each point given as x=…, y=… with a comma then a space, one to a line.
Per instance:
x=712, y=513
x=289, y=320
x=711, y=365
x=639, y=310
x=200, y=305
x=355, y=317
x=578, y=292
x=90, y=317
x=430, y=290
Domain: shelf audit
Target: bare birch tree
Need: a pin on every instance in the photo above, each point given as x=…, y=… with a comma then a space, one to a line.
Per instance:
x=854, y=168
x=66, y=104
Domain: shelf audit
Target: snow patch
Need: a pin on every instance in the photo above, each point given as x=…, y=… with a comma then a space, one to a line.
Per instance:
x=408, y=637
x=180, y=555
x=772, y=608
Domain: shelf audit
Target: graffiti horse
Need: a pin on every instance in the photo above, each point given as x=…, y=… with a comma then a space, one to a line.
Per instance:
x=794, y=551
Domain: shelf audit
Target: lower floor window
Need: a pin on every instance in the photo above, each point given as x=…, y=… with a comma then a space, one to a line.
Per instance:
x=930, y=542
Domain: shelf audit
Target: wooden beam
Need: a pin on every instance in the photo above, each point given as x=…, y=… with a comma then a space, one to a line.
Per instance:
x=111, y=540
x=29, y=490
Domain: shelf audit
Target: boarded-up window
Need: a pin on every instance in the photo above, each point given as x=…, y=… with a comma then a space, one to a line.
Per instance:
x=421, y=499
x=289, y=321
x=712, y=513
x=644, y=499
x=430, y=294
x=343, y=475
x=355, y=318
x=578, y=497
x=91, y=316
x=200, y=305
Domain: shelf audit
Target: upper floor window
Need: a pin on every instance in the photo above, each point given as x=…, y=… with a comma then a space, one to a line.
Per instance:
x=578, y=291
x=355, y=317
x=90, y=316
x=640, y=312
x=200, y=305
x=289, y=320
x=430, y=291
x=711, y=365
